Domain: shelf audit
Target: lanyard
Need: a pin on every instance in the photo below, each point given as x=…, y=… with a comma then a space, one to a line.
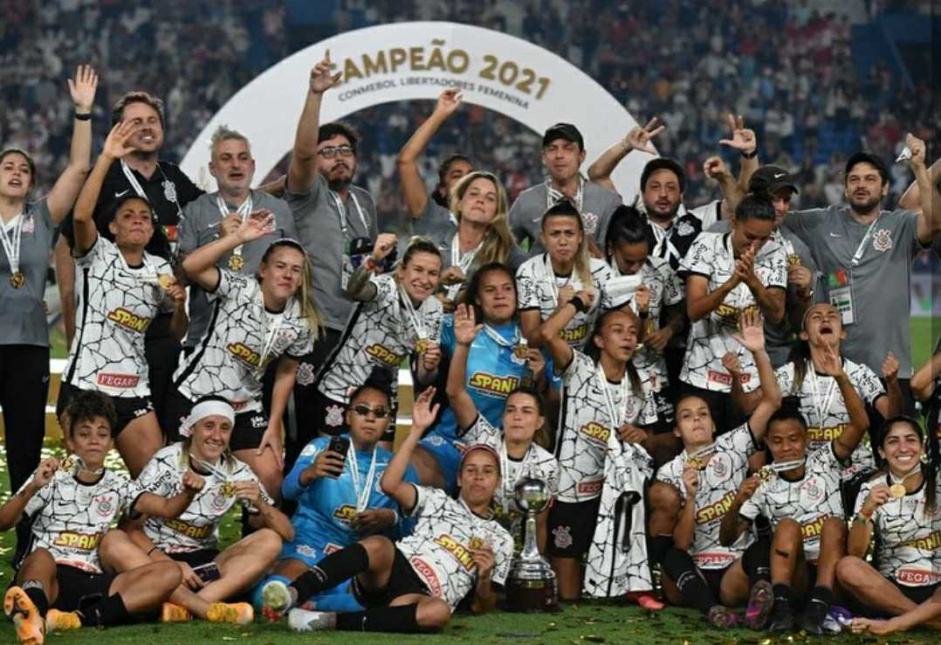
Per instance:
x=664, y=248
x=275, y=321
x=344, y=216
x=418, y=323
x=132, y=180
x=169, y=189
x=362, y=494
x=735, y=294
x=821, y=409
x=552, y=280
x=507, y=484
x=243, y=212
x=500, y=340
x=11, y=242
x=617, y=416
x=463, y=262
x=862, y=245
x=554, y=196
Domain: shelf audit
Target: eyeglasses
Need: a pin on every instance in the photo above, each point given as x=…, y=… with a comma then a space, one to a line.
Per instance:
x=364, y=410
x=331, y=151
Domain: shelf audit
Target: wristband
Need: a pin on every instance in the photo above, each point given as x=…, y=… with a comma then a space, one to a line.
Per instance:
x=579, y=304
x=83, y=117
x=864, y=515
x=750, y=155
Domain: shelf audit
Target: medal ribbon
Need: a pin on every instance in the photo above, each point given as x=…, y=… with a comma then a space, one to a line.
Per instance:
x=418, y=323
x=614, y=414
x=500, y=340
x=507, y=485
x=344, y=216
x=362, y=495
x=462, y=262
x=821, y=410
x=271, y=333
x=243, y=212
x=11, y=243
x=554, y=196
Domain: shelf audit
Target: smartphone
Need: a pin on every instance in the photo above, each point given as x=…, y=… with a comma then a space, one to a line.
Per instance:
x=339, y=445
x=208, y=572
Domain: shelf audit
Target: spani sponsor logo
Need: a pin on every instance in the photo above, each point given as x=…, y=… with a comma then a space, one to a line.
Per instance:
x=190, y=530
x=490, y=383
x=384, y=355
x=456, y=549
x=245, y=354
x=81, y=541
x=128, y=320
x=596, y=432
x=715, y=511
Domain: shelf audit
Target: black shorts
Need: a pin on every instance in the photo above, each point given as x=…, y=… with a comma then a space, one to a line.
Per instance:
x=249, y=426
x=194, y=558
x=128, y=408
x=402, y=581
x=919, y=594
x=713, y=578
x=571, y=527
x=78, y=588
x=331, y=417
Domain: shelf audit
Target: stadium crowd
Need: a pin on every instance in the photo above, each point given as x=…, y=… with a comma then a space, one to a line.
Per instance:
x=716, y=388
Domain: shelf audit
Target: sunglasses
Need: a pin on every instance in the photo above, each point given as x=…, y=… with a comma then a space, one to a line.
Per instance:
x=365, y=410
x=331, y=151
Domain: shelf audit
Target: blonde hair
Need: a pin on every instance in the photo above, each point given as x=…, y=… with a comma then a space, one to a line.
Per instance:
x=305, y=294
x=498, y=242
x=228, y=459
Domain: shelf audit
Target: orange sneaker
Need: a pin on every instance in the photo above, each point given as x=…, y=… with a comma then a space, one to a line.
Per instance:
x=172, y=613
x=236, y=613
x=60, y=621
x=30, y=627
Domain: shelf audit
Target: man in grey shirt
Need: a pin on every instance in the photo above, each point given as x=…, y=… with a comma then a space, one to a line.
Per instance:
x=332, y=217
x=217, y=214
x=865, y=258
x=563, y=152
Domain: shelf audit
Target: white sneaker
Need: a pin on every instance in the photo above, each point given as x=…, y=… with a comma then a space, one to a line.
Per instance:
x=276, y=597
x=301, y=620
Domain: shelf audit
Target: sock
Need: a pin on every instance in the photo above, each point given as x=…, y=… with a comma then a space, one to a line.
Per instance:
x=110, y=611
x=35, y=592
x=331, y=571
x=657, y=547
x=819, y=603
x=782, y=595
x=402, y=619
x=693, y=589
x=756, y=561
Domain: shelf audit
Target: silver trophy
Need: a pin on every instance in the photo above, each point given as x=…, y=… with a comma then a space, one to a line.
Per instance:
x=531, y=584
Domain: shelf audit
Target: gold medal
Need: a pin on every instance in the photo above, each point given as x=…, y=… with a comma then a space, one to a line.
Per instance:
x=521, y=349
x=766, y=473
x=17, y=280
x=695, y=462
x=476, y=542
x=165, y=281
x=67, y=465
x=897, y=490
x=236, y=262
x=421, y=346
x=228, y=489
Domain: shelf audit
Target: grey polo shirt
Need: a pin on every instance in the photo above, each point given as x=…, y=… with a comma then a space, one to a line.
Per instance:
x=517, y=255
x=435, y=221
x=598, y=203
x=881, y=280
x=780, y=338
x=22, y=312
x=319, y=229
x=200, y=226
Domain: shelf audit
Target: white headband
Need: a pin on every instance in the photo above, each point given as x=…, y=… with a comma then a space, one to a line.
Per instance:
x=206, y=409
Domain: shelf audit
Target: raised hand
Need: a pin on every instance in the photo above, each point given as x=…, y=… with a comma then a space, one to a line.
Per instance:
x=747, y=489
x=917, y=146
x=714, y=167
x=732, y=364
x=230, y=224
x=642, y=299
x=745, y=268
x=752, y=336
x=45, y=472
x=449, y=101
x=639, y=137
x=465, y=326
x=321, y=77
x=326, y=464
x=801, y=277
x=451, y=276
x=83, y=87
x=830, y=363
x=431, y=357
x=690, y=481
x=890, y=367
x=484, y=559
x=117, y=145
x=257, y=224
x=423, y=412
x=192, y=483
x=743, y=139
x=383, y=246
x=878, y=495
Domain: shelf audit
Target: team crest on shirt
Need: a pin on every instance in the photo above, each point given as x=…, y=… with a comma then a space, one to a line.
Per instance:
x=720, y=465
x=169, y=191
x=813, y=491
x=29, y=224
x=590, y=220
x=882, y=240
x=334, y=417
x=305, y=374
x=219, y=501
x=104, y=505
x=562, y=537
x=684, y=229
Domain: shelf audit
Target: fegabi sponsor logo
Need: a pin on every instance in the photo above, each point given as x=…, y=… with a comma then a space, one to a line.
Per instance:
x=713, y=560
x=123, y=381
x=725, y=379
x=128, y=320
x=918, y=577
x=424, y=570
x=590, y=488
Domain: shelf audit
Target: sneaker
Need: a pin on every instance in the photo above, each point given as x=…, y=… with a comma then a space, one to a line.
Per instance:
x=782, y=618
x=760, y=602
x=722, y=617
x=30, y=627
x=811, y=621
x=60, y=621
x=235, y=613
x=173, y=613
x=276, y=599
x=646, y=600
x=301, y=620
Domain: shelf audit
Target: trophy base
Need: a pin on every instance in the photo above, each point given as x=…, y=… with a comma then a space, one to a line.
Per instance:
x=532, y=595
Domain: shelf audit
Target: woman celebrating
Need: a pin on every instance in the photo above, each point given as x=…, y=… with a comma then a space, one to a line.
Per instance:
x=549, y=280
x=604, y=397
x=499, y=360
x=255, y=322
x=338, y=500
x=524, y=415
x=899, y=508
x=192, y=541
x=123, y=288
x=479, y=204
x=26, y=232
x=926, y=385
x=397, y=318
x=431, y=214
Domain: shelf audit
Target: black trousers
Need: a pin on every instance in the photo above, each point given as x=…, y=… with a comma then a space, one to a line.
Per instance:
x=24, y=387
x=163, y=355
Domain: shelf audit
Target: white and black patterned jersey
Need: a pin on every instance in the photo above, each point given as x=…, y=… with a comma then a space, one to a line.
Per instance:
x=666, y=290
x=908, y=541
x=534, y=292
x=437, y=549
x=835, y=419
x=69, y=518
x=538, y=463
x=808, y=501
x=198, y=526
x=115, y=305
x=711, y=337
x=243, y=338
x=585, y=425
x=719, y=481
x=379, y=334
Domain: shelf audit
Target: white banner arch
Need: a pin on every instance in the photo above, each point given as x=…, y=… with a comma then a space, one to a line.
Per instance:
x=416, y=60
